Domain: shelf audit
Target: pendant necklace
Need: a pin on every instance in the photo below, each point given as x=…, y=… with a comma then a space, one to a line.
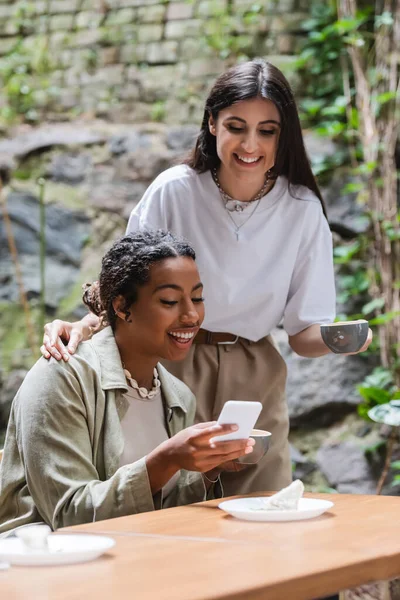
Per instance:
x=238, y=206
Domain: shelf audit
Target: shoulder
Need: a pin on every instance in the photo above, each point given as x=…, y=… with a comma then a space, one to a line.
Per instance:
x=50, y=379
x=178, y=177
x=298, y=193
x=300, y=202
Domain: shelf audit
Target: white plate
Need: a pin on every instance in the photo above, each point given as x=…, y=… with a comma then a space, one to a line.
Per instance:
x=63, y=550
x=249, y=510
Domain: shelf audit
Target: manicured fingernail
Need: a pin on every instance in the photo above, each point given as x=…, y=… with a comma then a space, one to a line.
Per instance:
x=66, y=357
x=47, y=355
x=234, y=427
x=248, y=450
x=58, y=356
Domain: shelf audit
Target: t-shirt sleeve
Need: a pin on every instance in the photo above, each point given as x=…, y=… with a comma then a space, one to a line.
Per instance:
x=149, y=214
x=312, y=296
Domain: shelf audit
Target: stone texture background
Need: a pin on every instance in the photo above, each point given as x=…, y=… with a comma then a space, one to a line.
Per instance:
x=118, y=68
x=139, y=60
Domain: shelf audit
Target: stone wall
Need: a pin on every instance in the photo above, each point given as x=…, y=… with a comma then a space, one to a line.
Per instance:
x=137, y=60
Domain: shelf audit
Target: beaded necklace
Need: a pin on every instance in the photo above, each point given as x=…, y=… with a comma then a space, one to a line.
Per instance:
x=142, y=391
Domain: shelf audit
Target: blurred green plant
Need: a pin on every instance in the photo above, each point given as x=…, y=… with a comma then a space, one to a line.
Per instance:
x=395, y=466
x=158, y=111
x=42, y=241
x=24, y=77
x=351, y=82
x=233, y=33
x=23, y=16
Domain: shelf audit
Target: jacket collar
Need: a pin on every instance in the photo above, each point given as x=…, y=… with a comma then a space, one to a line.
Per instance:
x=171, y=393
x=112, y=372
x=111, y=369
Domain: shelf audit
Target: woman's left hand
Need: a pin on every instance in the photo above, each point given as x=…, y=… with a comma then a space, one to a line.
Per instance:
x=365, y=346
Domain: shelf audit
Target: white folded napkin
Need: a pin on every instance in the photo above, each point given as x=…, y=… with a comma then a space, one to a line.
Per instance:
x=287, y=499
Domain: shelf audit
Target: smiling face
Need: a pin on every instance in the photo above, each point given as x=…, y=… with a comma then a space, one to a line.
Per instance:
x=168, y=311
x=247, y=135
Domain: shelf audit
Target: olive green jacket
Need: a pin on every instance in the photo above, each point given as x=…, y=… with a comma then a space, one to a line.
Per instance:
x=64, y=442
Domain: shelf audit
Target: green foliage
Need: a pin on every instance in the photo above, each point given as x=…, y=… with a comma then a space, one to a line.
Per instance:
x=395, y=466
x=23, y=16
x=374, y=449
x=328, y=107
x=232, y=34
x=327, y=80
x=14, y=347
x=377, y=388
x=24, y=77
x=158, y=111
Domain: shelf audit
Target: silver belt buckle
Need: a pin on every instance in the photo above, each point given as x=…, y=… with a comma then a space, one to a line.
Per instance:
x=228, y=343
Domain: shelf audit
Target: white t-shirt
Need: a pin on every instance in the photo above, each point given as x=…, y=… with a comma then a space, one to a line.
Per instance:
x=281, y=267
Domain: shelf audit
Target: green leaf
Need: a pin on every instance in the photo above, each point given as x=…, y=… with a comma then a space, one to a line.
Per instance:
x=385, y=318
x=395, y=465
x=386, y=18
x=385, y=97
x=334, y=111
x=380, y=377
x=374, y=394
x=366, y=168
x=362, y=410
x=332, y=129
x=374, y=304
x=351, y=188
x=310, y=24
x=343, y=254
x=374, y=447
x=312, y=107
x=347, y=25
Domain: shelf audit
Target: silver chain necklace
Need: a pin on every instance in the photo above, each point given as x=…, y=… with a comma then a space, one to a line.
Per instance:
x=239, y=208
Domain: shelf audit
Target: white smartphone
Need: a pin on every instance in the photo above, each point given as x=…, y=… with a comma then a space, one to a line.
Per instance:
x=241, y=413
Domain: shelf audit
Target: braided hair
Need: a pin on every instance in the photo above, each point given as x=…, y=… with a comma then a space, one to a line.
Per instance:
x=126, y=267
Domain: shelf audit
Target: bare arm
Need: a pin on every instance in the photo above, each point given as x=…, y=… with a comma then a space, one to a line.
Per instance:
x=59, y=333
x=310, y=344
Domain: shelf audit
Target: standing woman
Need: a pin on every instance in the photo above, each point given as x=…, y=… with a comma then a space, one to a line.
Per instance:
x=247, y=200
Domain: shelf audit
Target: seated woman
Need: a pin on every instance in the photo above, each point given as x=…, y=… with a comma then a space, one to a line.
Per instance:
x=110, y=432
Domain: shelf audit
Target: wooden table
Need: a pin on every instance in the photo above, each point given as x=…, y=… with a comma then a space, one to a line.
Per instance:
x=199, y=553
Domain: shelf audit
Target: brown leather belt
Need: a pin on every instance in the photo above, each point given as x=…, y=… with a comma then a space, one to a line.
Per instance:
x=210, y=337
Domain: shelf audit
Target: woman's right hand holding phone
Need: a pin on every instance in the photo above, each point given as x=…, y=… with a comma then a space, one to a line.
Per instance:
x=194, y=449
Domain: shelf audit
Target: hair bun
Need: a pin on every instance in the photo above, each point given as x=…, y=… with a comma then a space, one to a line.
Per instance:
x=91, y=297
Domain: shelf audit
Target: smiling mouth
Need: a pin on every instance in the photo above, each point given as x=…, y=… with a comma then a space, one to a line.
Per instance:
x=247, y=160
x=183, y=338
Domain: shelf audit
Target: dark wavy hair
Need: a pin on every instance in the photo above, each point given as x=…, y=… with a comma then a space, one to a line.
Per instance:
x=126, y=267
x=252, y=79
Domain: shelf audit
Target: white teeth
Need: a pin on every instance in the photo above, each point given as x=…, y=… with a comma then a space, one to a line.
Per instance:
x=185, y=336
x=248, y=160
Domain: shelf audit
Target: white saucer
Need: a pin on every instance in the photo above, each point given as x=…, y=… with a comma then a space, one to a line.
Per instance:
x=63, y=550
x=250, y=509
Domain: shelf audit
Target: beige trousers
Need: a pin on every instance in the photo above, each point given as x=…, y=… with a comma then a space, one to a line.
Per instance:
x=243, y=371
